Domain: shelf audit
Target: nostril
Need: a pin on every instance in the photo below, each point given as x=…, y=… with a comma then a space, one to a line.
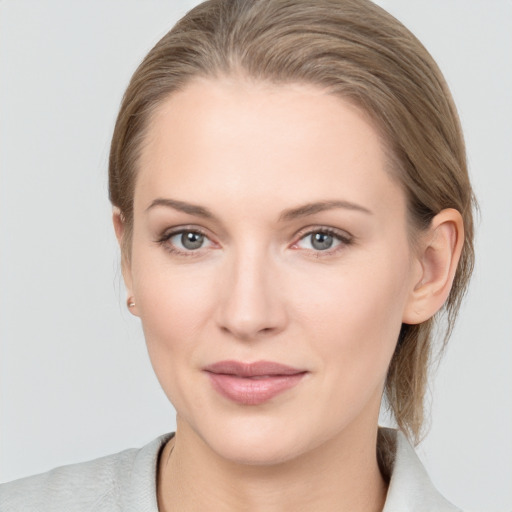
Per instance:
x=250, y=306
x=246, y=332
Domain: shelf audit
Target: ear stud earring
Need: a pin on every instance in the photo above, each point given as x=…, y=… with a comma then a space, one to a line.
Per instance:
x=130, y=302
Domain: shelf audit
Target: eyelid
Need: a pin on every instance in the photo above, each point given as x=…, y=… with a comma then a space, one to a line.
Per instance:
x=169, y=233
x=344, y=237
x=175, y=230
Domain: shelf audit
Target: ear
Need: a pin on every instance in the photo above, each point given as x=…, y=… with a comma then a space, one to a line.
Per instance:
x=120, y=230
x=438, y=256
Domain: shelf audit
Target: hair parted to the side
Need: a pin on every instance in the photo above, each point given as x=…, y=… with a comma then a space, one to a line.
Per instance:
x=350, y=48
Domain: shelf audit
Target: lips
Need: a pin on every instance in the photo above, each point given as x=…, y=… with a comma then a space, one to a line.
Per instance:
x=252, y=383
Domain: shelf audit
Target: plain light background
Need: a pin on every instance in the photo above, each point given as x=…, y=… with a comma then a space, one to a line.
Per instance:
x=76, y=382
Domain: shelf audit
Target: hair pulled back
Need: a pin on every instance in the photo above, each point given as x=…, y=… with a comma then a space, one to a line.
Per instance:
x=350, y=48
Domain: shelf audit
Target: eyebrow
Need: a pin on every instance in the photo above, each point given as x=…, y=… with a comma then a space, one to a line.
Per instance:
x=286, y=215
x=320, y=206
x=192, y=209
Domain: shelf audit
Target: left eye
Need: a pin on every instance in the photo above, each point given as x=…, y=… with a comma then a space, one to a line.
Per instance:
x=319, y=241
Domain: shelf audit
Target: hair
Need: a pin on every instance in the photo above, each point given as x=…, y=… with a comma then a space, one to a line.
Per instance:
x=352, y=49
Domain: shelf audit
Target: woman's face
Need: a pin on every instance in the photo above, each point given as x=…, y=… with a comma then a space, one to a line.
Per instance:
x=267, y=230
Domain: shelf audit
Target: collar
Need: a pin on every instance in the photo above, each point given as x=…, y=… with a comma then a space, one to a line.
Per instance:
x=410, y=489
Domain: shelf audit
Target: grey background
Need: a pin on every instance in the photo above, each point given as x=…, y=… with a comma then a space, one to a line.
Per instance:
x=75, y=379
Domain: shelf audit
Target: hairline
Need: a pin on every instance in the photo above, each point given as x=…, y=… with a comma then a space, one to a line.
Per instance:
x=392, y=164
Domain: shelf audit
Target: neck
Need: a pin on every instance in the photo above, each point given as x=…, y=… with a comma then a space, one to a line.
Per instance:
x=340, y=475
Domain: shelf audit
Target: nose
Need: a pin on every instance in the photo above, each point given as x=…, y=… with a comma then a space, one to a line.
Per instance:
x=251, y=304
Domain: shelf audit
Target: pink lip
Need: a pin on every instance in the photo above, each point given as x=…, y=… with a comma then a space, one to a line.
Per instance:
x=252, y=383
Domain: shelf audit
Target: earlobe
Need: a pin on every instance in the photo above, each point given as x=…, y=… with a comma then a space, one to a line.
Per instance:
x=119, y=228
x=438, y=257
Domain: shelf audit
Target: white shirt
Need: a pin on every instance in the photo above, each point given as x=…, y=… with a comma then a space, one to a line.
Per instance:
x=126, y=482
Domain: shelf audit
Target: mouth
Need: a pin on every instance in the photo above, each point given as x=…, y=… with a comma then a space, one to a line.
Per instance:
x=252, y=383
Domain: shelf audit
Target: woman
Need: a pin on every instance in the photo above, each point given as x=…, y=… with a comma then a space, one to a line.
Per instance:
x=292, y=203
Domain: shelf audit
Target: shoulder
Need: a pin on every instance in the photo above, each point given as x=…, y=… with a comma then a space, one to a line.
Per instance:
x=85, y=486
x=97, y=485
x=410, y=488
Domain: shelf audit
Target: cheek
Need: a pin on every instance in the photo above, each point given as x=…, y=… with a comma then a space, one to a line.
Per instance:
x=174, y=304
x=353, y=317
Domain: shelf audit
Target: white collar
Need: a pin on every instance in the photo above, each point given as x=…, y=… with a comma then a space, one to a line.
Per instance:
x=410, y=488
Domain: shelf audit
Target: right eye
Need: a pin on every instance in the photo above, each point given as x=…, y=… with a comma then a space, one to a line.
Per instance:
x=185, y=241
x=189, y=240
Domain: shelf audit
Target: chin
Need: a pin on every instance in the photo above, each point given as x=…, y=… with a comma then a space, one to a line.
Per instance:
x=265, y=453
x=258, y=442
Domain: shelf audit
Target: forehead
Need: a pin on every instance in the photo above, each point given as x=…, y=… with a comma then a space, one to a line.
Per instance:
x=241, y=139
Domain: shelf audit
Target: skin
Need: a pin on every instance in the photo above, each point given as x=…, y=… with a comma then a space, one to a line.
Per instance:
x=258, y=289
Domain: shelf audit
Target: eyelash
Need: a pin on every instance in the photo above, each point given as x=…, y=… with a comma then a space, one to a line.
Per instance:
x=167, y=235
x=344, y=238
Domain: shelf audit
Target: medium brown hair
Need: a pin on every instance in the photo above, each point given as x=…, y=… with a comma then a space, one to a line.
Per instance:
x=353, y=49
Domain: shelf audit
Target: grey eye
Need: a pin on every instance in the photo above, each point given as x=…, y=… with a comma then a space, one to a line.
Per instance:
x=321, y=241
x=191, y=240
